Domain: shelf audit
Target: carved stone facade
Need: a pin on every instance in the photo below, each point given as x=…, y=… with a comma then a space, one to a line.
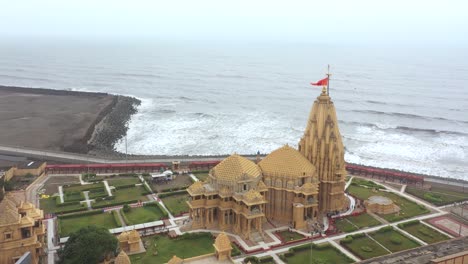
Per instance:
x=288, y=186
x=323, y=147
x=21, y=230
x=232, y=198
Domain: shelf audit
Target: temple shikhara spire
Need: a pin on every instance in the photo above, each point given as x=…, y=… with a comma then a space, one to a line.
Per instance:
x=322, y=145
x=287, y=187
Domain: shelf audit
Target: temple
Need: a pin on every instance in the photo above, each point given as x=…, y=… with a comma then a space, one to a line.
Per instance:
x=21, y=230
x=289, y=187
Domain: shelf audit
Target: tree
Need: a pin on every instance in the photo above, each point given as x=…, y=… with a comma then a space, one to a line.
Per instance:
x=88, y=245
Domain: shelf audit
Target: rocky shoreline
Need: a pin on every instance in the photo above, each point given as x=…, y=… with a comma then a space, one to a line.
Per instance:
x=112, y=126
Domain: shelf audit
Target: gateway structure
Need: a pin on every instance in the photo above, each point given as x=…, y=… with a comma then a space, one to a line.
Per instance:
x=289, y=186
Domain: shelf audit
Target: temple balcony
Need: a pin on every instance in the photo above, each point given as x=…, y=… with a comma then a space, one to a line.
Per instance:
x=212, y=202
x=197, y=203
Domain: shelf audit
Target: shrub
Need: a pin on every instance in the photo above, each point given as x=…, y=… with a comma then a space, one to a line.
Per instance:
x=125, y=186
x=425, y=232
x=395, y=240
x=385, y=229
x=366, y=249
x=359, y=235
x=70, y=210
x=409, y=223
x=433, y=198
x=346, y=240
x=115, y=204
x=124, y=216
x=301, y=247
x=235, y=251
x=126, y=208
x=116, y=218
x=92, y=212
x=162, y=195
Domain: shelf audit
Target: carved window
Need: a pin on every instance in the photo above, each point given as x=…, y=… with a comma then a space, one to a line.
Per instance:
x=8, y=236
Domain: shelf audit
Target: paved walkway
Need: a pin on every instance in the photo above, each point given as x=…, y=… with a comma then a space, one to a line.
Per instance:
x=349, y=182
x=352, y=204
x=403, y=188
x=121, y=218
x=107, y=188
x=51, y=248
x=344, y=250
x=87, y=200
x=194, y=178
x=60, y=188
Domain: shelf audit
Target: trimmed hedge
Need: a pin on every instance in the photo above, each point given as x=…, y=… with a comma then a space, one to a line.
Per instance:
x=71, y=210
x=175, y=188
x=385, y=229
x=162, y=195
x=115, y=204
x=124, y=216
x=409, y=223
x=125, y=186
x=92, y=212
x=116, y=218
x=67, y=203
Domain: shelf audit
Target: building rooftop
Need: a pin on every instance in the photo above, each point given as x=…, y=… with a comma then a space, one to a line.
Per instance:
x=286, y=161
x=236, y=168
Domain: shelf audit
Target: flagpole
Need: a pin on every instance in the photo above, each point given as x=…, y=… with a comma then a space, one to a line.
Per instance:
x=328, y=82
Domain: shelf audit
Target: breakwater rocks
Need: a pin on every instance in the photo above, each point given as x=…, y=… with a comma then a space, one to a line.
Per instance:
x=112, y=126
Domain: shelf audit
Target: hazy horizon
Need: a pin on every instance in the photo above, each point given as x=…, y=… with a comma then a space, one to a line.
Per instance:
x=331, y=22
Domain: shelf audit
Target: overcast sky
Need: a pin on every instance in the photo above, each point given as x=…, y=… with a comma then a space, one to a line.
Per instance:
x=328, y=21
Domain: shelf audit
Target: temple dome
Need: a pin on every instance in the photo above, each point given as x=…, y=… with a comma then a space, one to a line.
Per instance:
x=235, y=168
x=122, y=258
x=288, y=162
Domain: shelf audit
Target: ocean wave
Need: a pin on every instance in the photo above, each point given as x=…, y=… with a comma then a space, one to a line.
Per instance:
x=145, y=75
x=414, y=116
x=404, y=129
x=202, y=115
x=231, y=76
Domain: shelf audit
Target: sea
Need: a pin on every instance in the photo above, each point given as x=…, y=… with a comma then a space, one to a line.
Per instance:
x=400, y=107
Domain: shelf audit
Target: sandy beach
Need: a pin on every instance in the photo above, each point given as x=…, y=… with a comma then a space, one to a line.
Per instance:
x=63, y=120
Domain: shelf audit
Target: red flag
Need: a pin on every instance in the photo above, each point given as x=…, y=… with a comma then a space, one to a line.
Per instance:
x=323, y=82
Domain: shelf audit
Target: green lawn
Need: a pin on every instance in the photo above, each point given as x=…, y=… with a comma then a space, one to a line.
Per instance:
x=438, y=196
x=425, y=233
x=167, y=247
x=127, y=194
x=97, y=193
x=176, y=204
x=80, y=188
x=143, y=215
x=290, y=236
x=49, y=206
x=121, y=182
x=353, y=223
x=201, y=175
x=70, y=225
x=366, y=248
x=319, y=256
x=408, y=208
x=394, y=240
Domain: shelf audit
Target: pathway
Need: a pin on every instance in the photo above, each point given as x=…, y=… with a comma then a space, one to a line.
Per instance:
x=61, y=194
x=51, y=248
x=121, y=218
x=87, y=200
x=107, y=188
x=194, y=178
x=352, y=204
x=344, y=251
x=403, y=188
x=349, y=182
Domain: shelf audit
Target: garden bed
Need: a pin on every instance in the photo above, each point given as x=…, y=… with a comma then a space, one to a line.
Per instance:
x=185, y=246
x=176, y=204
x=353, y=223
x=73, y=224
x=423, y=232
x=438, y=196
x=317, y=254
x=143, y=214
